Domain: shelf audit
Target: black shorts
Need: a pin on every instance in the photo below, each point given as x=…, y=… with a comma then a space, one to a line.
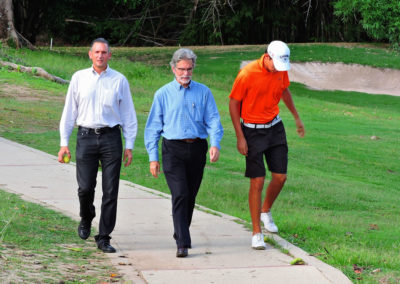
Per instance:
x=269, y=142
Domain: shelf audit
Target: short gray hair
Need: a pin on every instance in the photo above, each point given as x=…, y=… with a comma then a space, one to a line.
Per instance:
x=183, y=54
x=101, y=40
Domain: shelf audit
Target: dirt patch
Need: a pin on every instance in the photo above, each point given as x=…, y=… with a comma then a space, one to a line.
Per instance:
x=346, y=77
x=23, y=93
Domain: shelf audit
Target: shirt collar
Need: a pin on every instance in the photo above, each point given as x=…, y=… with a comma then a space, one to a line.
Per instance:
x=261, y=61
x=104, y=72
x=179, y=86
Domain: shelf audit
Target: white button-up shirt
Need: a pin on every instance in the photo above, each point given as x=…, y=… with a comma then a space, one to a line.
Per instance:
x=99, y=100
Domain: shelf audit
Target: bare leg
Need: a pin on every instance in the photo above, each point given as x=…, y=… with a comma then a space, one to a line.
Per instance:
x=256, y=187
x=274, y=188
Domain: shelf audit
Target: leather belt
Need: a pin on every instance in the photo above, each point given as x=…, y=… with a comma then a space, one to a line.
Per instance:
x=265, y=125
x=189, y=141
x=98, y=131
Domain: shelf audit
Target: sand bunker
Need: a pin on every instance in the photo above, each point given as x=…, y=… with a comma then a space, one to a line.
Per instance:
x=345, y=77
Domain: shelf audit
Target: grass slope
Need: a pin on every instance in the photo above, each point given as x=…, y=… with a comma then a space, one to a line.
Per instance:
x=341, y=200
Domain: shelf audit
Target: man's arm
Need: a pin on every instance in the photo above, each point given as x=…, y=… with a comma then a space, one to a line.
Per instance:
x=128, y=117
x=214, y=127
x=68, y=118
x=152, y=134
x=234, y=110
x=288, y=100
x=129, y=121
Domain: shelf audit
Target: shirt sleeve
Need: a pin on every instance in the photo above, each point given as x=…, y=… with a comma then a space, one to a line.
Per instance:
x=128, y=115
x=239, y=87
x=213, y=122
x=70, y=112
x=153, y=129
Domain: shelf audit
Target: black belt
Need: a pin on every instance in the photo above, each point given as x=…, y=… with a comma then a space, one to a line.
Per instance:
x=98, y=131
x=190, y=141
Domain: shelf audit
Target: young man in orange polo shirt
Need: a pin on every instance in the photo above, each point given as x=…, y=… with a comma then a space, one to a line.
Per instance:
x=254, y=98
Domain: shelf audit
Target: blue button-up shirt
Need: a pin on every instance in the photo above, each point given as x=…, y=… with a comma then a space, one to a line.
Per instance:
x=182, y=113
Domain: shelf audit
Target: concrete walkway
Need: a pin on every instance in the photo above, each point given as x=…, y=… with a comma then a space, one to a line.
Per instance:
x=221, y=250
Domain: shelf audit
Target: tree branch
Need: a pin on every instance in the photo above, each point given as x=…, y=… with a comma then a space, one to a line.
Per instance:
x=37, y=71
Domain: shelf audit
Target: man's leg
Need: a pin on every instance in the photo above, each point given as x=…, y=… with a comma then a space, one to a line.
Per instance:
x=174, y=167
x=111, y=159
x=256, y=187
x=195, y=169
x=87, y=160
x=274, y=188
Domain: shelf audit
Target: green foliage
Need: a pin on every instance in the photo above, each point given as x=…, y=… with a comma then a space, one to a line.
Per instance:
x=202, y=22
x=379, y=18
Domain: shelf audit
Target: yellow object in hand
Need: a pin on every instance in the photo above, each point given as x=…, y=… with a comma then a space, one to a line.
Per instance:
x=66, y=159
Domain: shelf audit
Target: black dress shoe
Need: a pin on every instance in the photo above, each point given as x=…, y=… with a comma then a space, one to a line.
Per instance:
x=182, y=252
x=106, y=247
x=84, y=229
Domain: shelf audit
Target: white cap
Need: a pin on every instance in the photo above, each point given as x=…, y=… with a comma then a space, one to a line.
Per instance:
x=280, y=53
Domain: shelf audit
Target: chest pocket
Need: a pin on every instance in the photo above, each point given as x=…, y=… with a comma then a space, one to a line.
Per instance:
x=196, y=111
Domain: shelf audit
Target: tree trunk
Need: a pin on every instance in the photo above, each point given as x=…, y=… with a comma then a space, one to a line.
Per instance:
x=6, y=10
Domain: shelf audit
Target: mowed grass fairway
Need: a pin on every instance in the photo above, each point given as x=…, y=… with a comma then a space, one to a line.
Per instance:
x=341, y=202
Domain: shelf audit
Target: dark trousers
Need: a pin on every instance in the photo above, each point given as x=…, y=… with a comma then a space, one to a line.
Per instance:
x=183, y=166
x=92, y=148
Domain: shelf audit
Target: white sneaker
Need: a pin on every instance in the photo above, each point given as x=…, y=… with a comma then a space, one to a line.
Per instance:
x=257, y=241
x=269, y=224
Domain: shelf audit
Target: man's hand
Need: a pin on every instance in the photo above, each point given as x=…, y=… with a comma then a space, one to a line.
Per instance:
x=155, y=168
x=127, y=157
x=241, y=145
x=214, y=154
x=300, y=127
x=63, y=151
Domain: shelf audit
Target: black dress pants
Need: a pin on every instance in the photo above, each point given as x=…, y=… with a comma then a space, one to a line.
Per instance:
x=92, y=148
x=183, y=166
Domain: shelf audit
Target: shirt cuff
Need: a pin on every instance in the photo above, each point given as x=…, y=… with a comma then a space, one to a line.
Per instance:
x=215, y=144
x=129, y=145
x=64, y=142
x=153, y=157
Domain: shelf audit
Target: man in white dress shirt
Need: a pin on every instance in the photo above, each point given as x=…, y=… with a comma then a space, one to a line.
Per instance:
x=99, y=102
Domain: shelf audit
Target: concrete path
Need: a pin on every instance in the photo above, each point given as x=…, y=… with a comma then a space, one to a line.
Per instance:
x=221, y=250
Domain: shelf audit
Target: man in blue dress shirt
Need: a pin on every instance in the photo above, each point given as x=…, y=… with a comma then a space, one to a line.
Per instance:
x=184, y=113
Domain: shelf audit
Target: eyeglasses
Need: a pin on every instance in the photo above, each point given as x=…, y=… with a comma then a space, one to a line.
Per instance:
x=189, y=70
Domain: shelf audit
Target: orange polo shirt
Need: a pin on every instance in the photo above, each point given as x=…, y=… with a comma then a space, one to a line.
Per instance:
x=259, y=91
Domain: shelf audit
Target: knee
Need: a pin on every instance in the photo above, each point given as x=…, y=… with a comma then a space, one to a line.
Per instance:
x=279, y=178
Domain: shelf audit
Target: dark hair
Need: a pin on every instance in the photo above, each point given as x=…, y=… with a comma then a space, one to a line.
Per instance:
x=102, y=40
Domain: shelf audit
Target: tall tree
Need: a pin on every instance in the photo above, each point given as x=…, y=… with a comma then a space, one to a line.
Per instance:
x=7, y=28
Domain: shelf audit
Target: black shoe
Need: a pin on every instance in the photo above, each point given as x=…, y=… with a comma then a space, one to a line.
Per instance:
x=84, y=229
x=182, y=252
x=105, y=246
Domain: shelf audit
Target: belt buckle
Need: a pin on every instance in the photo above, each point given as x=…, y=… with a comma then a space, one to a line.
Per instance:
x=97, y=131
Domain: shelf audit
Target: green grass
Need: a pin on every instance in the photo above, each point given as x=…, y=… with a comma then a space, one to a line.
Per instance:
x=341, y=200
x=38, y=245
